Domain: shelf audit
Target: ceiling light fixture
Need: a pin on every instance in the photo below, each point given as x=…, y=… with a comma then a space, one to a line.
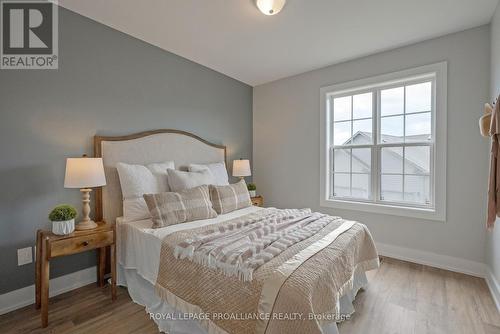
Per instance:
x=270, y=7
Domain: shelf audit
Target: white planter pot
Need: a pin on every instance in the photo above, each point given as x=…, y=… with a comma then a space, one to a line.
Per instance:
x=63, y=227
x=252, y=193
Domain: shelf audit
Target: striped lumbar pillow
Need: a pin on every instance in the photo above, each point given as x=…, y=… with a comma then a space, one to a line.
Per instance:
x=171, y=208
x=229, y=198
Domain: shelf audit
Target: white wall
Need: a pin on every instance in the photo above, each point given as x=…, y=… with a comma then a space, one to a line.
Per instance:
x=493, y=239
x=286, y=142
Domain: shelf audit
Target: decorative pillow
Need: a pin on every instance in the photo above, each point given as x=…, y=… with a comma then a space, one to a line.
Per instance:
x=180, y=180
x=229, y=198
x=218, y=170
x=137, y=180
x=171, y=208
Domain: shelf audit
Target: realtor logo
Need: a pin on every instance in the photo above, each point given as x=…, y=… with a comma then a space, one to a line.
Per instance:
x=29, y=36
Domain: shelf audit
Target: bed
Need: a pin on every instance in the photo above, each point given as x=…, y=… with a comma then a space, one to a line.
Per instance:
x=308, y=287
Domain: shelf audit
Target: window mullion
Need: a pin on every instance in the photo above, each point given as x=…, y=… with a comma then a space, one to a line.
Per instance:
x=374, y=151
x=332, y=151
x=350, y=173
x=352, y=126
x=352, y=146
x=399, y=144
x=404, y=170
x=404, y=141
x=432, y=176
x=378, y=172
x=330, y=172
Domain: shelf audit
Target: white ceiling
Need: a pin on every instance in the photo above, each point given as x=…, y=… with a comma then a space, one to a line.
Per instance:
x=234, y=38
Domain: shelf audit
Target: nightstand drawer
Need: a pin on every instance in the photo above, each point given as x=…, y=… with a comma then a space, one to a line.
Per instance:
x=81, y=244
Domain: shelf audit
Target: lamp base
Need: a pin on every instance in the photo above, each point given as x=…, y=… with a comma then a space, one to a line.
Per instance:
x=86, y=225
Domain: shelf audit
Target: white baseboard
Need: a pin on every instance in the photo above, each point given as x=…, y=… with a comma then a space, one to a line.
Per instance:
x=16, y=299
x=494, y=286
x=446, y=262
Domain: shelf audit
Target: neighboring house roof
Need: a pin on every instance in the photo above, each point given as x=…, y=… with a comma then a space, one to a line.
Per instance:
x=419, y=159
x=387, y=138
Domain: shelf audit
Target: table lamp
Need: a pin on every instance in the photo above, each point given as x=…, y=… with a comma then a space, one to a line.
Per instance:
x=84, y=173
x=241, y=168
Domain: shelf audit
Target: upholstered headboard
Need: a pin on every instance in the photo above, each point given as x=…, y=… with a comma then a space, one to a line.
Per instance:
x=143, y=148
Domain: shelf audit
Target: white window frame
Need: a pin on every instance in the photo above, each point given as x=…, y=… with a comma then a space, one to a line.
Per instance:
x=438, y=74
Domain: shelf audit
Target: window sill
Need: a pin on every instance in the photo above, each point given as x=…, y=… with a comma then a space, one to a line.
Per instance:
x=386, y=209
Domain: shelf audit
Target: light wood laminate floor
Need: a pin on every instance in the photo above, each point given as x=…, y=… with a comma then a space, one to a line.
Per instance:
x=402, y=298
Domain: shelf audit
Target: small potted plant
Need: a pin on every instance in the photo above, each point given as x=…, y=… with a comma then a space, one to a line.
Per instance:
x=252, y=189
x=63, y=219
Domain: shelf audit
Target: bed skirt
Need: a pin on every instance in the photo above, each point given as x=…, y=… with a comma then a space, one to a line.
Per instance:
x=171, y=321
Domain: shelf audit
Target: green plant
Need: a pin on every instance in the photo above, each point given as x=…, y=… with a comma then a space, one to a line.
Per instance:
x=251, y=186
x=62, y=212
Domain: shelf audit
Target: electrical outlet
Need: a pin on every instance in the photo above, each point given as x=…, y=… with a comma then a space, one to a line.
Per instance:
x=24, y=256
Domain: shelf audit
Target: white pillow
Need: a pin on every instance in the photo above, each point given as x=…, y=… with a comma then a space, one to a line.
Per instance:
x=180, y=180
x=137, y=180
x=218, y=170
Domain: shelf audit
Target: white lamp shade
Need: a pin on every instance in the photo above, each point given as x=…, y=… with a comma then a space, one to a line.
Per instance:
x=241, y=168
x=270, y=7
x=84, y=173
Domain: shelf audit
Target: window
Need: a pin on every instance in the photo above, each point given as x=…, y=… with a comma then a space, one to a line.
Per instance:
x=384, y=143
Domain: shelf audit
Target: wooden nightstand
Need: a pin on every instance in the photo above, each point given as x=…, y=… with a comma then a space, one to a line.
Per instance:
x=257, y=200
x=49, y=245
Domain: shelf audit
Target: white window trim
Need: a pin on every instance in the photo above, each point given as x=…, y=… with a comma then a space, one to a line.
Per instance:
x=438, y=213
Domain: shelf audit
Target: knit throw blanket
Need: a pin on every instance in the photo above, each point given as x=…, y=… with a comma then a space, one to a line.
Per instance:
x=240, y=247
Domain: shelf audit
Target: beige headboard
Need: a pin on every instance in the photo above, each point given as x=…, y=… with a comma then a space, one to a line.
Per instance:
x=143, y=148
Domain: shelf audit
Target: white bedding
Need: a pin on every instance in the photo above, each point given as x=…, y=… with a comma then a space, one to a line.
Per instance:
x=139, y=245
x=139, y=249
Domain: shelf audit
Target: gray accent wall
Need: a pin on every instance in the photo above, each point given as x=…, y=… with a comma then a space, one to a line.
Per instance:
x=286, y=143
x=493, y=237
x=108, y=83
